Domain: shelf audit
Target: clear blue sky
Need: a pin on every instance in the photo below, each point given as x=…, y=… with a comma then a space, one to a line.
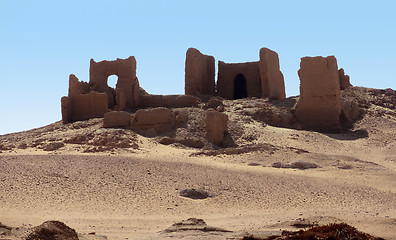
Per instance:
x=42, y=42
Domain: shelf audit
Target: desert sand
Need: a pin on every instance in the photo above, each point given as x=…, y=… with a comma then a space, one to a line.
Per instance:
x=121, y=185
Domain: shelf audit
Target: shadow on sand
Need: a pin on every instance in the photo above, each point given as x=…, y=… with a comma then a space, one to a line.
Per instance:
x=349, y=135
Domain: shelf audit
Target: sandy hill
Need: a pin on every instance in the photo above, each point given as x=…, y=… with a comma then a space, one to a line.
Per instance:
x=270, y=175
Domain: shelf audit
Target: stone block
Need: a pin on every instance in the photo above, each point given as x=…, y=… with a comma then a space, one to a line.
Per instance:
x=159, y=119
x=116, y=119
x=216, y=126
x=319, y=104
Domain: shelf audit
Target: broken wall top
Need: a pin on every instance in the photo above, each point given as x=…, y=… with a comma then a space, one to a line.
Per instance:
x=199, y=73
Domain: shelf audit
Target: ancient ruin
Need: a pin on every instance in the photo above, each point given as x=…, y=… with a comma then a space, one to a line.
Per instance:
x=127, y=84
x=239, y=80
x=344, y=79
x=200, y=73
x=128, y=106
x=216, y=126
x=94, y=99
x=319, y=105
x=272, y=81
x=81, y=103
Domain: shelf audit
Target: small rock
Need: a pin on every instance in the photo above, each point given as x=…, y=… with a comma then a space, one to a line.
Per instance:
x=345, y=167
x=194, y=194
x=303, y=165
x=22, y=146
x=53, y=146
x=253, y=164
x=296, y=165
x=220, y=109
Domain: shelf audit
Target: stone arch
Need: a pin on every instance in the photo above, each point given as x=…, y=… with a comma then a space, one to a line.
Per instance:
x=125, y=70
x=240, y=87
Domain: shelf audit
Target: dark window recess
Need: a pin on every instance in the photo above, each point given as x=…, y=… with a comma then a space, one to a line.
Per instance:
x=240, y=89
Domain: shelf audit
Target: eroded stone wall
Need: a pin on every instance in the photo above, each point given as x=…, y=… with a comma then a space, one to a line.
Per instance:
x=199, y=73
x=227, y=72
x=82, y=103
x=272, y=81
x=319, y=105
x=344, y=79
x=125, y=70
x=151, y=122
x=169, y=101
x=94, y=99
x=84, y=106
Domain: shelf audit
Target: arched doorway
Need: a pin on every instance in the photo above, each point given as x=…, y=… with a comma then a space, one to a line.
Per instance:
x=240, y=89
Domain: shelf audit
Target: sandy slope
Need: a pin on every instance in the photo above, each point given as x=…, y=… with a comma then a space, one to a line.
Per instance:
x=133, y=193
x=136, y=195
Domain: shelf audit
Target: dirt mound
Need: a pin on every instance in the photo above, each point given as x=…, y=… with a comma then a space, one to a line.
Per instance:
x=369, y=97
x=339, y=231
x=52, y=230
x=195, y=194
x=247, y=119
x=83, y=136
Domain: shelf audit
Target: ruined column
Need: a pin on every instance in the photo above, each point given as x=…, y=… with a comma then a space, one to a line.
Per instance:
x=319, y=105
x=199, y=73
x=216, y=126
x=272, y=81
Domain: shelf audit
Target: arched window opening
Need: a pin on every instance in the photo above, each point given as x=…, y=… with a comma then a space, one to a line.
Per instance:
x=240, y=89
x=112, y=81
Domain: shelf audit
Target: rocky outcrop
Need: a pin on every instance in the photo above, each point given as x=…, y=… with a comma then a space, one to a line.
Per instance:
x=194, y=224
x=319, y=105
x=239, y=80
x=199, y=73
x=168, y=101
x=52, y=230
x=272, y=81
x=116, y=119
x=214, y=103
x=151, y=122
x=344, y=79
x=216, y=126
x=125, y=69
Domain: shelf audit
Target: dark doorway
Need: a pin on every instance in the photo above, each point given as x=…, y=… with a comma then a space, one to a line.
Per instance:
x=240, y=90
